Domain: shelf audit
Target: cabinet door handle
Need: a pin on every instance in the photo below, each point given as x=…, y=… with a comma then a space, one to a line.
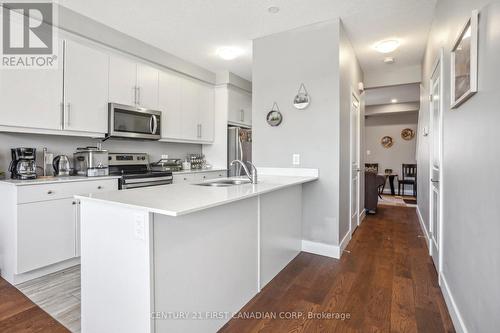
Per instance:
x=138, y=95
x=62, y=115
x=242, y=115
x=74, y=202
x=200, y=131
x=99, y=187
x=68, y=111
x=50, y=192
x=135, y=95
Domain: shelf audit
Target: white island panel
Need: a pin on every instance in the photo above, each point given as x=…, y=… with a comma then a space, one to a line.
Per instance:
x=205, y=264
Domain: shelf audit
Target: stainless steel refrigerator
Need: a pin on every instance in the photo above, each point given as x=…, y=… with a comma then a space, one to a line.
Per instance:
x=239, y=147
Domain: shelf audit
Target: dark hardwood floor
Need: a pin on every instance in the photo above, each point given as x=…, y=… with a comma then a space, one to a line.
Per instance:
x=20, y=315
x=385, y=283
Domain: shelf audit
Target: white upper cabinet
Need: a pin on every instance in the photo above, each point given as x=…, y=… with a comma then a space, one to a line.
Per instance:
x=32, y=98
x=85, y=88
x=197, y=111
x=206, y=109
x=240, y=107
x=122, y=81
x=132, y=83
x=189, y=110
x=147, y=86
x=170, y=106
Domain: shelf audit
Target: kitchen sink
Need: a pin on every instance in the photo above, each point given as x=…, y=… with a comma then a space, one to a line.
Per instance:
x=225, y=182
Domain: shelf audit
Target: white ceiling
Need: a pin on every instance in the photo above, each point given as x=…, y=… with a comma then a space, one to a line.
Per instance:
x=193, y=29
x=403, y=93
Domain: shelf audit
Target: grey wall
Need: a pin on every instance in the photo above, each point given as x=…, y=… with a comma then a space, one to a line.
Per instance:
x=350, y=75
x=376, y=127
x=471, y=226
x=67, y=145
x=283, y=61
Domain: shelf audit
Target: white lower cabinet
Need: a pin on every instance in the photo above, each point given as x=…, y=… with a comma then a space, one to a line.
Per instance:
x=46, y=233
x=40, y=226
x=198, y=176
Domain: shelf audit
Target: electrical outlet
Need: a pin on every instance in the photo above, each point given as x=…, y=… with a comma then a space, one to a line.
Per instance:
x=139, y=227
x=296, y=159
x=368, y=152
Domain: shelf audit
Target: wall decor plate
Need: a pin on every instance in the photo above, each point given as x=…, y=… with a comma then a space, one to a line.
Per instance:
x=274, y=117
x=407, y=134
x=387, y=142
x=302, y=99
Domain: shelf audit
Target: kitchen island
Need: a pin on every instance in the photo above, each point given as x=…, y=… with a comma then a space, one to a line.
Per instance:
x=185, y=257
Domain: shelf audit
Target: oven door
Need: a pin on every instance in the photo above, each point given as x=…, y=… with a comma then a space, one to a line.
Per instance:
x=134, y=122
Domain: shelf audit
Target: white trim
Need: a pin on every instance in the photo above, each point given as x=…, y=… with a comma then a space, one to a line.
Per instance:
x=456, y=317
x=294, y=172
x=345, y=241
x=327, y=250
x=23, y=277
x=322, y=249
x=424, y=229
x=362, y=216
x=355, y=101
x=18, y=129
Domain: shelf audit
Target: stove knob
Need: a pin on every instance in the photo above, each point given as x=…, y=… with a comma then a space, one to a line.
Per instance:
x=144, y=158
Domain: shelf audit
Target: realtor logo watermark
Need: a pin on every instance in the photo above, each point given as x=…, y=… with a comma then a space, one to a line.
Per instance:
x=29, y=39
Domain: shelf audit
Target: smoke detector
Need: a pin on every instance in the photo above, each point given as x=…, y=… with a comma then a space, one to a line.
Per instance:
x=389, y=60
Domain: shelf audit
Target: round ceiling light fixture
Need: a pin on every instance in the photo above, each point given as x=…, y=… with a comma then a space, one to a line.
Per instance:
x=394, y=100
x=273, y=9
x=387, y=46
x=389, y=60
x=229, y=52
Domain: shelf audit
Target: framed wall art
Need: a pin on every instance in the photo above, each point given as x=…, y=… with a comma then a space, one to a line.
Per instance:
x=464, y=63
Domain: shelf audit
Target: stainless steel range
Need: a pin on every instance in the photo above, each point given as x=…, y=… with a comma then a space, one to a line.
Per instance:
x=135, y=171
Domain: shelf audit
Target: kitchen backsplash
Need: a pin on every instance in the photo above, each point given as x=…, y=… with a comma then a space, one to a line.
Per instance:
x=67, y=145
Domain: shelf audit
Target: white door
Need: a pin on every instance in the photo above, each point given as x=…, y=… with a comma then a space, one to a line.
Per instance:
x=32, y=97
x=85, y=88
x=355, y=170
x=46, y=233
x=436, y=128
x=122, y=81
x=147, y=86
x=170, y=105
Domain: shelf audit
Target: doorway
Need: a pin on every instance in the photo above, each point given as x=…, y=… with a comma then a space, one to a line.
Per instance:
x=355, y=167
x=436, y=157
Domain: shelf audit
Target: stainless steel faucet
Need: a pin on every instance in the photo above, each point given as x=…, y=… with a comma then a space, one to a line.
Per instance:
x=252, y=176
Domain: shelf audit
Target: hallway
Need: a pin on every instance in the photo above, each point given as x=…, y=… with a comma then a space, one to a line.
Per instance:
x=385, y=282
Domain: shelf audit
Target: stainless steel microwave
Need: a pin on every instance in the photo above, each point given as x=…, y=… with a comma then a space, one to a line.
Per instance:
x=133, y=122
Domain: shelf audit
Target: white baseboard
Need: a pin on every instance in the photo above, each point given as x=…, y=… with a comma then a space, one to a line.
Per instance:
x=327, y=250
x=456, y=317
x=424, y=229
x=362, y=216
x=322, y=249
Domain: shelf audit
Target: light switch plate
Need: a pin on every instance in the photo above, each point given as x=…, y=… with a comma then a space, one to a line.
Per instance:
x=296, y=159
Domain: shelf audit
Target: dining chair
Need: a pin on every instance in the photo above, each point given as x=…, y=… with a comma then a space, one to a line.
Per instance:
x=371, y=166
x=409, y=177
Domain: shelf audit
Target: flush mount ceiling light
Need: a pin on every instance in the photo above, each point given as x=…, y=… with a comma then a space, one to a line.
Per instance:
x=229, y=52
x=394, y=100
x=273, y=10
x=387, y=46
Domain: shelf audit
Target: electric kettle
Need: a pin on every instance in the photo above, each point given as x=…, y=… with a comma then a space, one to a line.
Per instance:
x=61, y=165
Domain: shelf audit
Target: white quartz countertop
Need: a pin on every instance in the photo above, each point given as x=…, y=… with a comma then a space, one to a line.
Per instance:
x=183, y=198
x=54, y=180
x=198, y=171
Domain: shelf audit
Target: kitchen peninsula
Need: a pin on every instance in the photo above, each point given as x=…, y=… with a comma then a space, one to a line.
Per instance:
x=185, y=257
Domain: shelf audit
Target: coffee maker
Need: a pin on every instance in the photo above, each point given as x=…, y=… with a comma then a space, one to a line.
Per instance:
x=23, y=165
